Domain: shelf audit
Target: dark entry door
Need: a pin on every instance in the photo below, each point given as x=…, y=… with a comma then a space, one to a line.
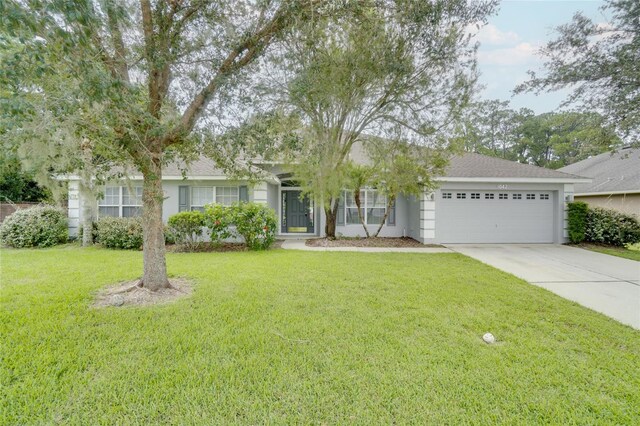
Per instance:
x=298, y=213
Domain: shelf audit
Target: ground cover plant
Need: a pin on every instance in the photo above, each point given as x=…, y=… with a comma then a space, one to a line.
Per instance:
x=284, y=336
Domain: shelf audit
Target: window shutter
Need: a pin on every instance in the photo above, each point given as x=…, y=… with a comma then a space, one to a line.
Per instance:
x=244, y=194
x=391, y=217
x=340, y=219
x=183, y=198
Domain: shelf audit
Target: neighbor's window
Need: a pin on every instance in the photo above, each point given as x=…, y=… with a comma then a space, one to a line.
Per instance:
x=200, y=196
x=120, y=201
x=227, y=195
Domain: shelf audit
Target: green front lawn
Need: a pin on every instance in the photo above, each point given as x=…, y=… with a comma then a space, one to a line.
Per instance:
x=305, y=337
x=632, y=253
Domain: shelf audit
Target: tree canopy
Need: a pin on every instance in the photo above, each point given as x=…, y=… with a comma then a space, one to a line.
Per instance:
x=404, y=72
x=137, y=78
x=552, y=140
x=600, y=62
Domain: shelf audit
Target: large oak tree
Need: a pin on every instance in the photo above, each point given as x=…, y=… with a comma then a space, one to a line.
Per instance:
x=152, y=68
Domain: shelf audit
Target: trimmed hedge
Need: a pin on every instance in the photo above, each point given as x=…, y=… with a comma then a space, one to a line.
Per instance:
x=218, y=220
x=577, y=218
x=256, y=223
x=187, y=227
x=610, y=227
x=120, y=232
x=40, y=226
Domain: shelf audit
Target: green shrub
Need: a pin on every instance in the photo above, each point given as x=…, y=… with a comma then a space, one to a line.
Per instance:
x=40, y=226
x=94, y=229
x=187, y=228
x=611, y=227
x=577, y=218
x=218, y=219
x=169, y=236
x=256, y=223
x=120, y=232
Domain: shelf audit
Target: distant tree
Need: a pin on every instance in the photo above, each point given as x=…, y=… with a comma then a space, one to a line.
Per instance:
x=600, y=62
x=490, y=127
x=548, y=140
x=16, y=186
x=555, y=140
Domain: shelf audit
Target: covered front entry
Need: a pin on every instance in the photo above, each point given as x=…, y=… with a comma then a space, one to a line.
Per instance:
x=480, y=216
x=297, y=213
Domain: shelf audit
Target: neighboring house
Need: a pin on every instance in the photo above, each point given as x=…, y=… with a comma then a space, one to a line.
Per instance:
x=480, y=200
x=615, y=180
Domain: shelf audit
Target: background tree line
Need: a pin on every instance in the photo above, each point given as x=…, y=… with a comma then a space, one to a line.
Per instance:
x=552, y=139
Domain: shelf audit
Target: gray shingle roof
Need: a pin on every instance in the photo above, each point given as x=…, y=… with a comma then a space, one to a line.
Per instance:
x=611, y=172
x=203, y=166
x=474, y=165
x=467, y=165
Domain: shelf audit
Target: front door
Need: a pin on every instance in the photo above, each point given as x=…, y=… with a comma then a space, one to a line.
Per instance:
x=297, y=213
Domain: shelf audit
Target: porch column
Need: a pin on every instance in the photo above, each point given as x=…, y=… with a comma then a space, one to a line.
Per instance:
x=74, y=214
x=427, y=217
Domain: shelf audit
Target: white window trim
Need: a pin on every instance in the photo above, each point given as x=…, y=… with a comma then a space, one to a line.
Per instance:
x=214, y=192
x=365, y=207
x=120, y=204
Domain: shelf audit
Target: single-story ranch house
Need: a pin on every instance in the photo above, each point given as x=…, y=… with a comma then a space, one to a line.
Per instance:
x=480, y=200
x=615, y=180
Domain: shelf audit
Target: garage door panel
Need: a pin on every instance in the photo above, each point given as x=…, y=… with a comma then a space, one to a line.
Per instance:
x=521, y=217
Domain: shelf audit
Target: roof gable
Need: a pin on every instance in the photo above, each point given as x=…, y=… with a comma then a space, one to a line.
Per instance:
x=611, y=172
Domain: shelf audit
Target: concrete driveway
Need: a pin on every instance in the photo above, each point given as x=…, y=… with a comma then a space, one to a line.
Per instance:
x=604, y=283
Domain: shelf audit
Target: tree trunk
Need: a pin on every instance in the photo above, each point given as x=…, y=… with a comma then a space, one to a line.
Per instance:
x=155, y=266
x=331, y=214
x=88, y=214
x=356, y=197
x=386, y=214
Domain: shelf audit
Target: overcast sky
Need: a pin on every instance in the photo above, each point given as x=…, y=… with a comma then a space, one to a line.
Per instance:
x=510, y=41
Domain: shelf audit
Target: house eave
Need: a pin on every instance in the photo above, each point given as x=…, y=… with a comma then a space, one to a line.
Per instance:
x=268, y=179
x=605, y=193
x=512, y=180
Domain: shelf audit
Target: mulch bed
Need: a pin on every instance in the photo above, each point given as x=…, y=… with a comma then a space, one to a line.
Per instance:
x=367, y=242
x=130, y=294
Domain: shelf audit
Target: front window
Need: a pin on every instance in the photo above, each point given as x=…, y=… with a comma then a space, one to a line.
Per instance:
x=120, y=201
x=227, y=195
x=351, y=212
x=200, y=196
x=373, y=203
x=131, y=201
x=376, y=205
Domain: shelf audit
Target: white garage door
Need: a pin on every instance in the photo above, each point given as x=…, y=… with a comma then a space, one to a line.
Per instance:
x=471, y=216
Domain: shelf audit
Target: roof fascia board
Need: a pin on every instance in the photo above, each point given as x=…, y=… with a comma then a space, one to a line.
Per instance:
x=513, y=179
x=605, y=193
